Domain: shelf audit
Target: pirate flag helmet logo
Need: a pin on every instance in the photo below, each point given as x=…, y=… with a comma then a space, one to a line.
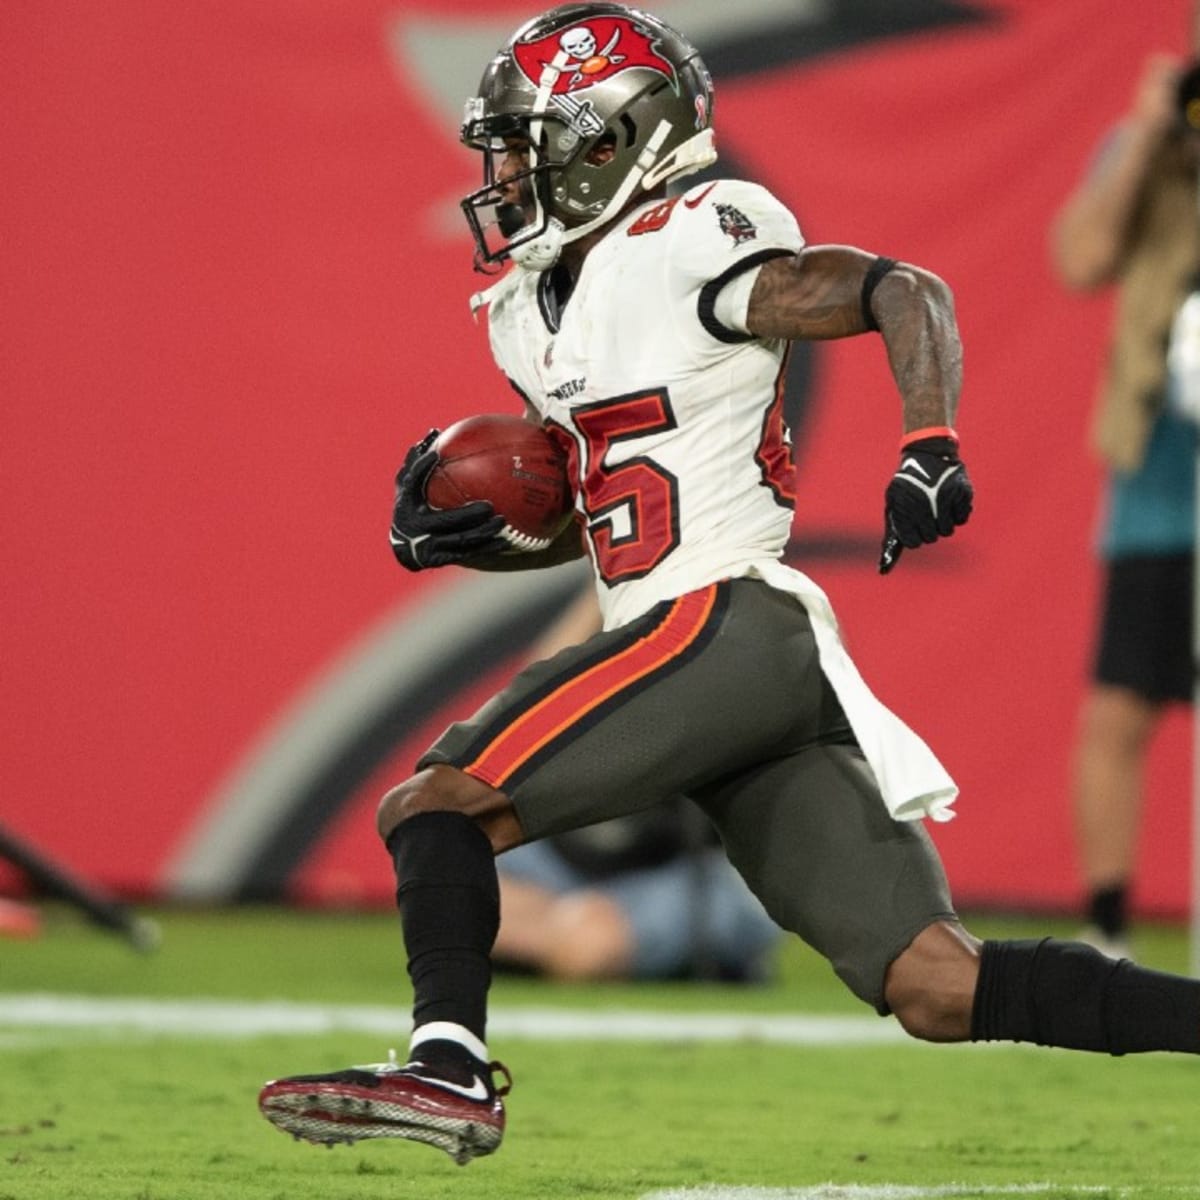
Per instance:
x=590, y=53
x=603, y=103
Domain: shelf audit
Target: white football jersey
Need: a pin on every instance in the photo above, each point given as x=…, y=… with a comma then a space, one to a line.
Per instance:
x=683, y=462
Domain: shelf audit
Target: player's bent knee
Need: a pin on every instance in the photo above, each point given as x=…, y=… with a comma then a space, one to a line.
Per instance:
x=442, y=788
x=420, y=793
x=934, y=1016
x=930, y=987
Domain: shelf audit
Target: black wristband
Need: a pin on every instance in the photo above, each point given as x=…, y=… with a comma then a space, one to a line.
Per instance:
x=877, y=270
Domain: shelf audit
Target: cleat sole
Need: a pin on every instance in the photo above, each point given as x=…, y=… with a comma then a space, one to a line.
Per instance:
x=353, y=1106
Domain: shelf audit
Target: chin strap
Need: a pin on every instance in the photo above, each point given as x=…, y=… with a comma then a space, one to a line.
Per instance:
x=541, y=253
x=694, y=155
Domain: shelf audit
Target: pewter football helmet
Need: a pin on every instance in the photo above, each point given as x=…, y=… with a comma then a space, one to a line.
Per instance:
x=612, y=102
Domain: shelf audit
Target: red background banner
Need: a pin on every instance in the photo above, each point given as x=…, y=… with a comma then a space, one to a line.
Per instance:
x=236, y=285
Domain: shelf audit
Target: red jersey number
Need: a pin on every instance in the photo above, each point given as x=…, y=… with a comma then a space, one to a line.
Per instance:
x=774, y=455
x=638, y=493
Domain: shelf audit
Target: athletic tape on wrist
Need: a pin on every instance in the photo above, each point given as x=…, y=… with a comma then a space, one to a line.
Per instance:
x=930, y=431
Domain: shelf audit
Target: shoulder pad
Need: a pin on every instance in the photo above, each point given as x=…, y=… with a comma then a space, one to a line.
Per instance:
x=716, y=225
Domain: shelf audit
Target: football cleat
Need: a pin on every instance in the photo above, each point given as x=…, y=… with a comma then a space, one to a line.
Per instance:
x=463, y=1117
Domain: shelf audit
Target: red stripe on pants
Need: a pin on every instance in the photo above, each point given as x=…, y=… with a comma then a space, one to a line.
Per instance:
x=547, y=719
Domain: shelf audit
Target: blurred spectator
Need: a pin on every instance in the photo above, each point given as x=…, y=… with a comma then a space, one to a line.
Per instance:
x=646, y=896
x=650, y=896
x=1132, y=221
x=18, y=920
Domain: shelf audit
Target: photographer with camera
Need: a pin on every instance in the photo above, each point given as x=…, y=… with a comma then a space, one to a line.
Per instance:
x=645, y=896
x=1133, y=222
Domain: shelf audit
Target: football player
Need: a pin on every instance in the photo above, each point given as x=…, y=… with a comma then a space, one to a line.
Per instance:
x=651, y=331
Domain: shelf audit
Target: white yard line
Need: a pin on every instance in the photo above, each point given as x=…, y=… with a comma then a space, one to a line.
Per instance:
x=223, y=1018
x=879, y=1191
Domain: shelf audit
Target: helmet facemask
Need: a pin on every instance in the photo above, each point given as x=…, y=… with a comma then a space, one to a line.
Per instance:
x=501, y=227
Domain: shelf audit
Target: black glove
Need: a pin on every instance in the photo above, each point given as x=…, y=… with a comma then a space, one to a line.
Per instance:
x=928, y=496
x=429, y=537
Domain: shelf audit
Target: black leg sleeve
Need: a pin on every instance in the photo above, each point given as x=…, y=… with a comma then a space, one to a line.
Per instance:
x=449, y=901
x=1067, y=994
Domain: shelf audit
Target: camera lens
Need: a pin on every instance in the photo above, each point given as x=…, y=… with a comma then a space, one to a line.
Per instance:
x=1187, y=97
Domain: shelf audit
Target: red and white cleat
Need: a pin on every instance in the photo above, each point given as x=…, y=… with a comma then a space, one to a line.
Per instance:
x=462, y=1116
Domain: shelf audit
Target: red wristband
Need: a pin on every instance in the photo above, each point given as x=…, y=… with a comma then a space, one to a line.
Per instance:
x=942, y=431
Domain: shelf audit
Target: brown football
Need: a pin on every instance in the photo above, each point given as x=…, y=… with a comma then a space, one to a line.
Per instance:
x=512, y=463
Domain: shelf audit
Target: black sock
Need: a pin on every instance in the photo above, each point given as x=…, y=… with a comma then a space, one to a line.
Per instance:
x=449, y=901
x=1108, y=909
x=1067, y=994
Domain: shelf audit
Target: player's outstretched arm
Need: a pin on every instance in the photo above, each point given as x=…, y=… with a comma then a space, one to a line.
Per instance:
x=838, y=291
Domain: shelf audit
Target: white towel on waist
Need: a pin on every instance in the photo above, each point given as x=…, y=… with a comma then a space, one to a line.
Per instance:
x=913, y=783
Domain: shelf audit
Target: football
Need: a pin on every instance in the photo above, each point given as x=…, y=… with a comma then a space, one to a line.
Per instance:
x=512, y=463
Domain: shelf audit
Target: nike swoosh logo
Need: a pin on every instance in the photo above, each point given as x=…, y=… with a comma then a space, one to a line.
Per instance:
x=689, y=203
x=477, y=1090
x=916, y=466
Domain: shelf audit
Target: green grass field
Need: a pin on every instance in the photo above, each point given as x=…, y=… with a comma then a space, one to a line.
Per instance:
x=134, y=1077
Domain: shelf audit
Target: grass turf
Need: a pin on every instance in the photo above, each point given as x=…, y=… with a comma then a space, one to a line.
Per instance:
x=112, y=1115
